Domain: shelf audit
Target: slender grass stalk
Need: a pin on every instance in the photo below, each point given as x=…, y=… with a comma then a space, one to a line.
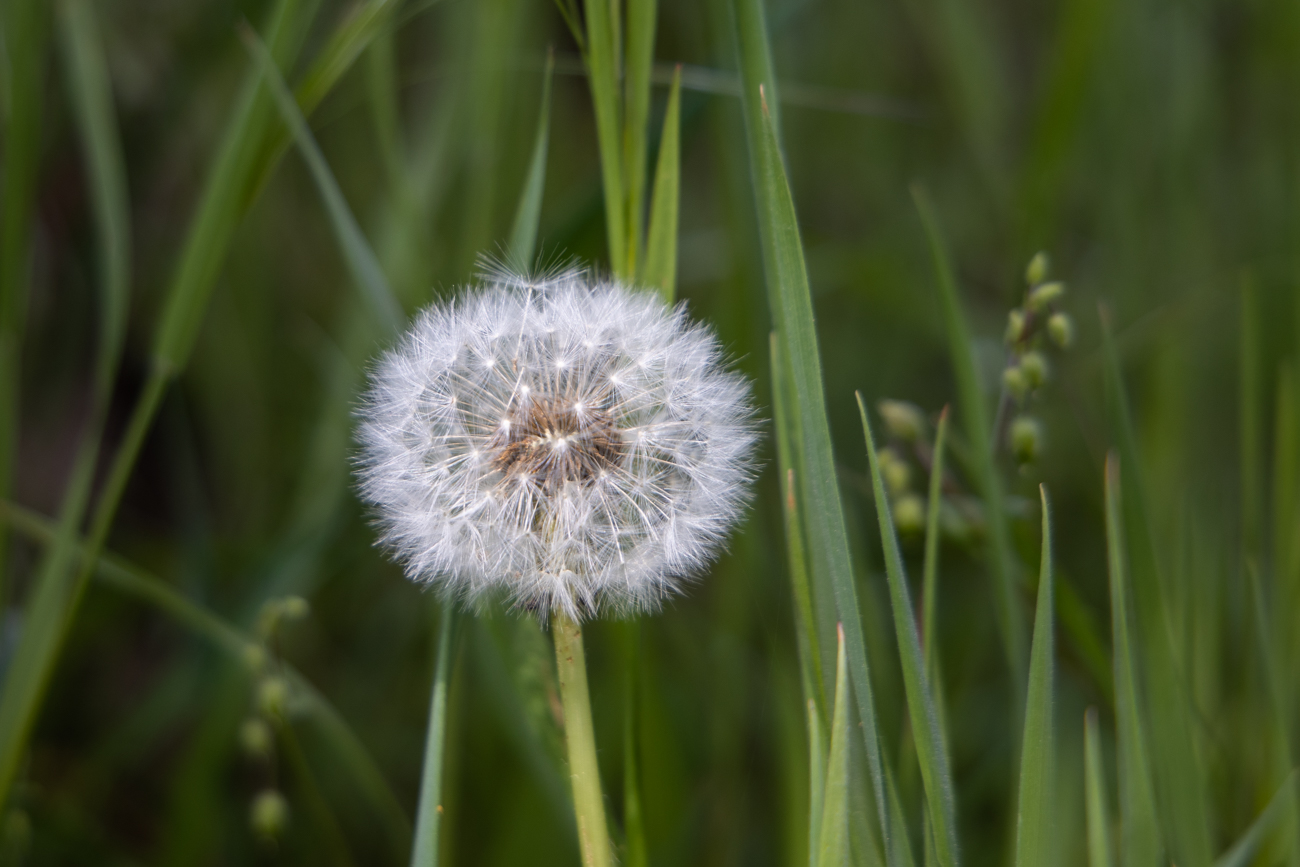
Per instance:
x=602, y=44
x=833, y=835
x=523, y=235
x=580, y=736
x=931, y=752
x=659, y=268
x=1036, y=817
x=930, y=570
x=637, y=852
x=1140, y=841
x=641, y=15
x=790, y=301
x=1099, y=852
x=975, y=421
x=428, y=814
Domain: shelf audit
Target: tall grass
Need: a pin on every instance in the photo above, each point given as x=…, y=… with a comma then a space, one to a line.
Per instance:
x=211, y=226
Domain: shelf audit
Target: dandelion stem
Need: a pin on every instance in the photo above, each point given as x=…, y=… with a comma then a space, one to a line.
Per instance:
x=588, y=803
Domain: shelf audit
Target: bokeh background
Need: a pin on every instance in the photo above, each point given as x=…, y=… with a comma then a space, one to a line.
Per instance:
x=1151, y=147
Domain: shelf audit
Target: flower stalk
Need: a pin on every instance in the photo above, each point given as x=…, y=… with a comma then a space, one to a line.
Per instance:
x=588, y=802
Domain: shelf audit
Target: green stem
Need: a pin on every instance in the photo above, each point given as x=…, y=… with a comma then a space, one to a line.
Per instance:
x=429, y=812
x=588, y=803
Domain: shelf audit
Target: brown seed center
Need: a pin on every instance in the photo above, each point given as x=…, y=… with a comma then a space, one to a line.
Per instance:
x=558, y=441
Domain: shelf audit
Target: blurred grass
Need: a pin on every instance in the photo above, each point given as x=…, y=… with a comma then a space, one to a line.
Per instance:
x=1150, y=148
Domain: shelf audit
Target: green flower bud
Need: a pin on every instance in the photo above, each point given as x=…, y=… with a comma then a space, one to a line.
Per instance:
x=1045, y=296
x=295, y=607
x=909, y=514
x=1015, y=382
x=255, y=737
x=1026, y=439
x=1034, y=367
x=1015, y=325
x=272, y=694
x=897, y=472
x=1036, y=272
x=269, y=814
x=254, y=657
x=903, y=420
x=1061, y=329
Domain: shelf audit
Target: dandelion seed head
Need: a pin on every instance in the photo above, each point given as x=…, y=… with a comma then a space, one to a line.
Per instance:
x=570, y=445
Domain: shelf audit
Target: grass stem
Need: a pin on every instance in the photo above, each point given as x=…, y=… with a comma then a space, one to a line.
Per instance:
x=588, y=802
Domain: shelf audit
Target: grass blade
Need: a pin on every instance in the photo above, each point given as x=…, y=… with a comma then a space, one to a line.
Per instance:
x=930, y=750
x=1099, y=853
x=660, y=267
x=833, y=835
x=23, y=31
x=1180, y=784
x=930, y=573
x=791, y=304
x=818, y=759
x=382, y=89
x=1243, y=852
x=523, y=236
x=1140, y=836
x=429, y=811
x=975, y=422
x=603, y=76
x=365, y=268
x=805, y=623
x=1035, y=814
x=641, y=16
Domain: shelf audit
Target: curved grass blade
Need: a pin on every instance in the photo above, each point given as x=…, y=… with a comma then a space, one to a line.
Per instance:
x=930, y=750
x=603, y=76
x=637, y=68
x=930, y=575
x=238, y=646
x=1095, y=793
x=818, y=758
x=833, y=835
x=1175, y=768
x=791, y=304
x=1243, y=852
x=523, y=236
x=1140, y=837
x=1036, y=811
x=660, y=267
x=970, y=399
x=429, y=811
x=361, y=260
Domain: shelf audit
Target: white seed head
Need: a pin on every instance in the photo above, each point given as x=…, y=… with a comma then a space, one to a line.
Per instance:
x=570, y=445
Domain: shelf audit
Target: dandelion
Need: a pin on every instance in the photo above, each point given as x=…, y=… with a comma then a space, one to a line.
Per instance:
x=571, y=445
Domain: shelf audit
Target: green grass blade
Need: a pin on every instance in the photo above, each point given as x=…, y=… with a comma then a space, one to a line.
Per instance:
x=1036, y=812
x=805, y=621
x=603, y=76
x=429, y=811
x=660, y=267
x=930, y=567
x=1251, y=420
x=791, y=304
x=344, y=745
x=1140, y=836
x=1243, y=852
x=1094, y=782
x=818, y=758
x=636, y=851
x=23, y=30
x=641, y=16
x=975, y=422
x=382, y=90
x=930, y=750
x=365, y=268
x=523, y=236
x=1180, y=784
x=833, y=835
